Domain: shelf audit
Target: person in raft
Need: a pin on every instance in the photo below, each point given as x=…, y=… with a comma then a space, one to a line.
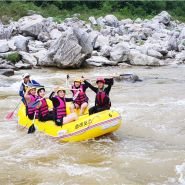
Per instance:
x=24, y=85
x=59, y=107
x=42, y=111
x=102, y=101
x=30, y=96
x=80, y=100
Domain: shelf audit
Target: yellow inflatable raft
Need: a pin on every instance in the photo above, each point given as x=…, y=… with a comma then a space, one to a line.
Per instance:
x=87, y=127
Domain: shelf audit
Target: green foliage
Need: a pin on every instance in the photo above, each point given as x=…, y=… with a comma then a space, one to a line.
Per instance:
x=183, y=43
x=121, y=9
x=13, y=58
x=178, y=31
x=141, y=42
x=98, y=28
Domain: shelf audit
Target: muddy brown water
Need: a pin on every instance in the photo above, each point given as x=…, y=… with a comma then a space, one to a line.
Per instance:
x=148, y=148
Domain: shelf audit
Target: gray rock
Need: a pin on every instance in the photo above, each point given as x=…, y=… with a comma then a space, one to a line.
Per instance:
x=43, y=36
x=74, y=22
x=136, y=58
x=101, y=21
x=28, y=58
x=124, y=65
x=7, y=72
x=4, y=55
x=172, y=44
x=94, y=53
x=5, y=32
x=20, y=65
x=93, y=21
x=54, y=34
x=103, y=40
x=4, y=47
x=62, y=27
x=85, y=40
x=180, y=56
x=37, y=25
x=101, y=60
x=182, y=34
x=112, y=21
x=126, y=21
x=119, y=53
x=96, y=45
x=21, y=42
x=164, y=17
x=64, y=53
x=154, y=53
x=105, y=51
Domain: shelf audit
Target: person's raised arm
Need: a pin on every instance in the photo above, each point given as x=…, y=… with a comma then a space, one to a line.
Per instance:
x=110, y=85
x=53, y=93
x=95, y=89
x=67, y=82
x=27, y=98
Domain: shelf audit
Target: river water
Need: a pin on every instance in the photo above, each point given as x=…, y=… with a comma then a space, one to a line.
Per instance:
x=148, y=148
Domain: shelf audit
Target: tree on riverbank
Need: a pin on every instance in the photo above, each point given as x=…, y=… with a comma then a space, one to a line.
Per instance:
x=121, y=9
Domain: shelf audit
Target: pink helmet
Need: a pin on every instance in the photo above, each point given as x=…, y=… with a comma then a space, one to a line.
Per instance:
x=100, y=80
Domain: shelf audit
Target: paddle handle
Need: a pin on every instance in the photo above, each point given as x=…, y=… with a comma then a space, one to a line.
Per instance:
x=17, y=106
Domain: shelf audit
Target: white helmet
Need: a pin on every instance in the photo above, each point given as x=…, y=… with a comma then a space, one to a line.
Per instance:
x=25, y=75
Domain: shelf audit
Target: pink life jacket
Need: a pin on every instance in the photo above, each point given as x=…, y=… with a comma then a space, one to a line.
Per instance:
x=102, y=99
x=81, y=98
x=43, y=110
x=30, y=110
x=60, y=111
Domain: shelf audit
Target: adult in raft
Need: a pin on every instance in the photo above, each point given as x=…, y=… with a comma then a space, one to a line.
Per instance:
x=42, y=111
x=30, y=96
x=80, y=98
x=102, y=101
x=24, y=85
x=59, y=107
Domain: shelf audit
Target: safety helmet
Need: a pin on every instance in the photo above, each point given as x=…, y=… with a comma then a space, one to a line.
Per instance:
x=61, y=89
x=32, y=88
x=100, y=80
x=39, y=89
x=77, y=80
x=25, y=75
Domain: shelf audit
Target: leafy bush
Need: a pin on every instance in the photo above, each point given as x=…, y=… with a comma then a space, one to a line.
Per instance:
x=98, y=28
x=141, y=42
x=13, y=58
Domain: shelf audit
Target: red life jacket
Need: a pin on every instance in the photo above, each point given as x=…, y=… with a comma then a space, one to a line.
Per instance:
x=43, y=110
x=81, y=98
x=102, y=99
x=60, y=111
x=30, y=110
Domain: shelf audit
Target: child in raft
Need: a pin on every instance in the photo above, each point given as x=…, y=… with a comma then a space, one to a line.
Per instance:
x=81, y=100
x=59, y=107
x=30, y=96
x=42, y=111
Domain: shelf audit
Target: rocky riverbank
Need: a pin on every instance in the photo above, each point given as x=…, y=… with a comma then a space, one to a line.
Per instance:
x=106, y=41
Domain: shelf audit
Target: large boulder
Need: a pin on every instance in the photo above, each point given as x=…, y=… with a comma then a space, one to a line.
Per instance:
x=5, y=32
x=101, y=21
x=28, y=58
x=74, y=22
x=7, y=72
x=154, y=53
x=138, y=20
x=103, y=40
x=172, y=44
x=180, y=56
x=54, y=34
x=43, y=36
x=105, y=51
x=182, y=34
x=139, y=59
x=40, y=55
x=164, y=17
x=100, y=61
x=93, y=21
x=36, y=25
x=4, y=47
x=126, y=21
x=64, y=53
x=112, y=21
x=21, y=43
x=85, y=40
x=119, y=53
